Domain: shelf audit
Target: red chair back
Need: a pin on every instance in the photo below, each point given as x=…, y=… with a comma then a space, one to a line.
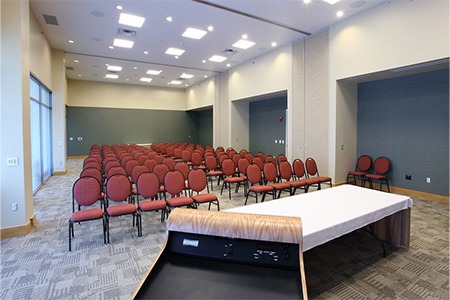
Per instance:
x=364, y=163
x=118, y=188
x=381, y=165
x=253, y=173
x=86, y=191
x=197, y=180
x=160, y=170
x=174, y=182
x=147, y=185
x=285, y=170
x=270, y=172
x=299, y=168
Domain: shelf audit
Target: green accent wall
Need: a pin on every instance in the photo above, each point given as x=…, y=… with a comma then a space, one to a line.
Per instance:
x=117, y=126
x=265, y=126
x=407, y=120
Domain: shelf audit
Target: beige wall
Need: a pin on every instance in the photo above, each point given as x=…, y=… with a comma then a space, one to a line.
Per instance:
x=40, y=53
x=394, y=34
x=114, y=95
x=201, y=95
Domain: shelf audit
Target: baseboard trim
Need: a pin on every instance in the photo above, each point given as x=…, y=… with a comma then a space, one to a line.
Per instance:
x=18, y=230
x=77, y=156
x=412, y=193
x=60, y=173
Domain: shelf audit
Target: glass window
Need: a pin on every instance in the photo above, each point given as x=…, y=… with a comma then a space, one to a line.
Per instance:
x=41, y=138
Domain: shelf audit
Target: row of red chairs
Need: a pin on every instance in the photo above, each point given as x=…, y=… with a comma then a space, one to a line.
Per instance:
x=124, y=179
x=365, y=173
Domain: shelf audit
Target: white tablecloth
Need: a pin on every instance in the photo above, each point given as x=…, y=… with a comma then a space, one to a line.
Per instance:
x=332, y=212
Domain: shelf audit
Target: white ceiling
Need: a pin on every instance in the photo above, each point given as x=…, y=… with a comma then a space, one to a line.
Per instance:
x=93, y=25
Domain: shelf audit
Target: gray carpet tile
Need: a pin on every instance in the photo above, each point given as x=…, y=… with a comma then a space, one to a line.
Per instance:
x=39, y=265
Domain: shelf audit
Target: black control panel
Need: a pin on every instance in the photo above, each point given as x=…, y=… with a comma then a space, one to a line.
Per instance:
x=274, y=254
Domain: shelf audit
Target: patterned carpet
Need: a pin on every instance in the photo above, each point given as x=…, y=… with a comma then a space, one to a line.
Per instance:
x=39, y=265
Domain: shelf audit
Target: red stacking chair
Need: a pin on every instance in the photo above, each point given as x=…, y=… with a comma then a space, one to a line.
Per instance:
x=197, y=183
x=381, y=167
x=313, y=174
x=147, y=187
x=174, y=184
x=118, y=190
x=254, y=178
x=86, y=192
x=363, y=166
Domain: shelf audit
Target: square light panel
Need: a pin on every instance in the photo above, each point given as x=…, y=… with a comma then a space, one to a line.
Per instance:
x=186, y=76
x=114, y=68
x=175, y=82
x=145, y=79
x=194, y=33
x=332, y=1
x=217, y=58
x=243, y=44
x=153, y=72
x=123, y=43
x=131, y=20
x=112, y=76
x=174, y=51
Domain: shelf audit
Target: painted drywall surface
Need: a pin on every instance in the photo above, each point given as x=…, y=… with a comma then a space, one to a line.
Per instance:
x=391, y=35
x=394, y=34
x=40, y=54
x=59, y=95
x=407, y=120
x=205, y=127
x=263, y=75
x=266, y=126
x=88, y=125
x=201, y=95
x=114, y=95
x=16, y=181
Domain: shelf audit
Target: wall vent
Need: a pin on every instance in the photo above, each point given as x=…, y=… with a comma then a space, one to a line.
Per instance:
x=69, y=68
x=127, y=33
x=50, y=20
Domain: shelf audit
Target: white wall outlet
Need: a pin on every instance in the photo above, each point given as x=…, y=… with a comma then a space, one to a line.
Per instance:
x=13, y=206
x=12, y=161
x=428, y=180
x=80, y=138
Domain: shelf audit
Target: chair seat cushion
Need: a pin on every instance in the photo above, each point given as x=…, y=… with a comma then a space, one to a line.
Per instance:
x=234, y=179
x=179, y=201
x=87, y=215
x=202, y=198
x=298, y=183
x=281, y=185
x=356, y=173
x=122, y=209
x=214, y=173
x=152, y=205
x=376, y=177
x=261, y=188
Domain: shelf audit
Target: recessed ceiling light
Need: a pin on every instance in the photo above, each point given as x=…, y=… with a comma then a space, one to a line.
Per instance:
x=306, y=1
x=112, y=76
x=75, y=61
x=186, y=76
x=339, y=14
x=332, y=1
x=79, y=75
x=204, y=61
x=228, y=65
x=123, y=43
x=154, y=72
x=206, y=76
x=119, y=7
x=71, y=42
x=177, y=57
x=131, y=20
x=145, y=52
x=174, y=51
x=169, y=19
x=134, y=68
x=111, y=47
x=128, y=79
x=145, y=79
x=175, y=82
x=114, y=68
x=244, y=36
x=217, y=58
x=243, y=44
x=274, y=44
x=194, y=33
x=210, y=28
